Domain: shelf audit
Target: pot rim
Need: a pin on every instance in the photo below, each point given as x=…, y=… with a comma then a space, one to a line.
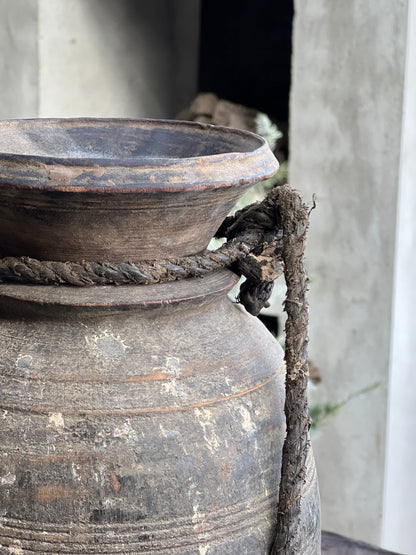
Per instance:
x=253, y=163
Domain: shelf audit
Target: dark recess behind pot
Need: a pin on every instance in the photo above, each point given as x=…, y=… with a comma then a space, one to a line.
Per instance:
x=245, y=53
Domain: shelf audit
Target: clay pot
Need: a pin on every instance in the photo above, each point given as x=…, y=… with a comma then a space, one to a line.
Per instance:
x=134, y=419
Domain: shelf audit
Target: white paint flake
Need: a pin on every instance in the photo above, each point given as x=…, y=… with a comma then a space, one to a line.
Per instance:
x=126, y=432
x=246, y=423
x=8, y=479
x=205, y=418
x=107, y=344
x=16, y=549
x=56, y=419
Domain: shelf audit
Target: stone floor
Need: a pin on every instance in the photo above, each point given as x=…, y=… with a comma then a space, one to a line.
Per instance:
x=334, y=544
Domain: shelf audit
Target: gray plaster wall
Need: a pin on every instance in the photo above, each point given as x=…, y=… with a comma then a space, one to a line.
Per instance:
x=345, y=133
x=108, y=58
x=115, y=58
x=104, y=58
x=19, y=90
x=399, y=530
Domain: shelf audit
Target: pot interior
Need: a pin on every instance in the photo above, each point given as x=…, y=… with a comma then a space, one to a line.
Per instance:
x=121, y=141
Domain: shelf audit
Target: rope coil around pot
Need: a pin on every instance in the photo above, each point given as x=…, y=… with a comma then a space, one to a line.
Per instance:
x=262, y=239
x=253, y=248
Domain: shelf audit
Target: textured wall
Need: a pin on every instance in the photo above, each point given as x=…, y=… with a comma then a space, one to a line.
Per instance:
x=110, y=58
x=346, y=116
x=400, y=492
x=18, y=59
x=104, y=58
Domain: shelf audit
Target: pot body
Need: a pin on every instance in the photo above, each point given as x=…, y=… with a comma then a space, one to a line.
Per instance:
x=140, y=420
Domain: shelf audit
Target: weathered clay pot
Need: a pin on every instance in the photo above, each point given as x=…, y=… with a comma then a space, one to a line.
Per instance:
x=143, y=419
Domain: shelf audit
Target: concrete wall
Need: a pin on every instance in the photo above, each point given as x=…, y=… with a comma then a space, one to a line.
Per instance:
x=109, y=58
x=104, y=58
x=399, y=530
x=346, y=122
x=18, y=60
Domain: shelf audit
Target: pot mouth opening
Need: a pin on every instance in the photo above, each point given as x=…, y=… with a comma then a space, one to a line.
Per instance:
x=120, y=142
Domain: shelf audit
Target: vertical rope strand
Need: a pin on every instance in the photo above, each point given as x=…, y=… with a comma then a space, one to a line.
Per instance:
x=295, y=219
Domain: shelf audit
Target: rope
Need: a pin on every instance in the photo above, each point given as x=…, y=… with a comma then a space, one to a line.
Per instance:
x=295, y=221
